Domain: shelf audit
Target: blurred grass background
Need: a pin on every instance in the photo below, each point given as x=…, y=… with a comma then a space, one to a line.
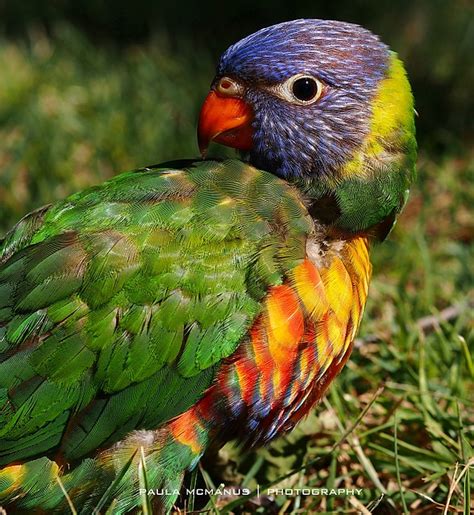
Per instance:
x=92, y=88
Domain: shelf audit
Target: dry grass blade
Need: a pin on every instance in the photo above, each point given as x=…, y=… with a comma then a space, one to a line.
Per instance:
x=66, y=495
x=359, y=506
x=455, y=482
x=432, y=322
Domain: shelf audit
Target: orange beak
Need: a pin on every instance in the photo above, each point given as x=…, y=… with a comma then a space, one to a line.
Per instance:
x=225, y=120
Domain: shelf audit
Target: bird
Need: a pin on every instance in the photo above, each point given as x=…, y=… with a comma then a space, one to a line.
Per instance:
x=180, y=306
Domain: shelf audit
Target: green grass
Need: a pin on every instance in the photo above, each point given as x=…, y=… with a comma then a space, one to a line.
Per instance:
x=398, y=423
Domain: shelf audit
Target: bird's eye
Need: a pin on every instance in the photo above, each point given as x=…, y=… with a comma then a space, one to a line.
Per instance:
x=305, y=89
x=301, y=89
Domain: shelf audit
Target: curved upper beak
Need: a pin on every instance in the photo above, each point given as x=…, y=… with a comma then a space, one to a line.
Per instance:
x=226, y=120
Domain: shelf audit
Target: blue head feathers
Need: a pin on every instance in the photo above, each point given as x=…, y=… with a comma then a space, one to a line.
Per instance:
x=332, y=113
x=293, y=139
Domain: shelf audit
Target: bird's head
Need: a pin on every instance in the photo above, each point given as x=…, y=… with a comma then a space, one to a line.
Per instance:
x=325, y=105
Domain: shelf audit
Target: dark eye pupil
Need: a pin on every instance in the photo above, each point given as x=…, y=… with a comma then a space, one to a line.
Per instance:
x=305, y=89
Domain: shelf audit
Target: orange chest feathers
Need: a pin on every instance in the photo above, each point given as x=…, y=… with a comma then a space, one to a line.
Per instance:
x=294, y=349
x=304, y=335
x=297, y=345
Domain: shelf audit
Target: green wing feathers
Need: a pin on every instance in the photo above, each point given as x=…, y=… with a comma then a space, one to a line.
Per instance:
x=118, y=304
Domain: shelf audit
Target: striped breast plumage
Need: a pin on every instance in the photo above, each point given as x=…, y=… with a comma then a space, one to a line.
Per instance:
x=296, y=346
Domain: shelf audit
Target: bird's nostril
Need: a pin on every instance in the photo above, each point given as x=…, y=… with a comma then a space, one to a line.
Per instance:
x=228, y=87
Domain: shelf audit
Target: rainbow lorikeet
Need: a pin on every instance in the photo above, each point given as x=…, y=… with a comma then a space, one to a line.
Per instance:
x=185, y=305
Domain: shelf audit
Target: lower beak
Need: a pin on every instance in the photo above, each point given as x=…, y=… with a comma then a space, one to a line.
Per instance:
x=225, y=120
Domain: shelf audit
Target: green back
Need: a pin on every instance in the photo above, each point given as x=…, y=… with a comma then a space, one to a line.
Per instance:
x=118, y=304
